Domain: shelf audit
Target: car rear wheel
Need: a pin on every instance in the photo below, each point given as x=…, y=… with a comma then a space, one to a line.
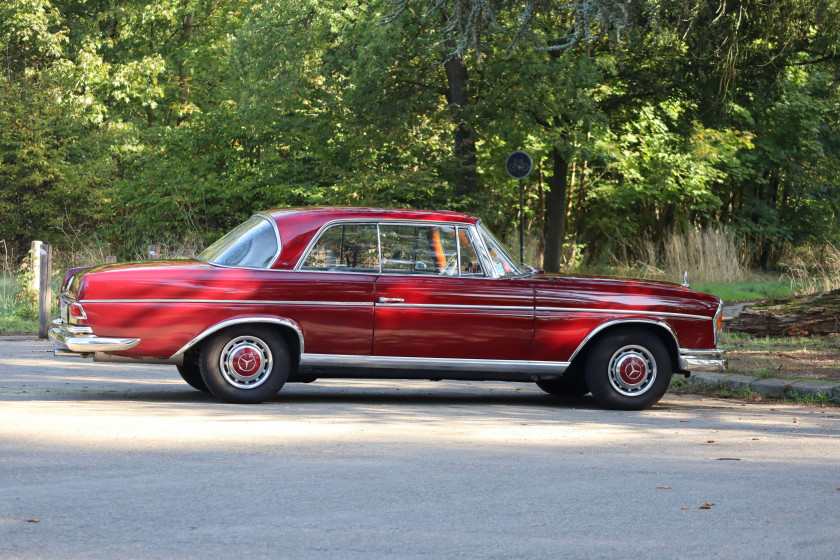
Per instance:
x=245, y=364
x=191, y=373
x=628, y=370
x=564, y=387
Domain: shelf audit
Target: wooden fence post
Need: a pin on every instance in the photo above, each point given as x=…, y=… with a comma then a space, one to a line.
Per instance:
x=44, y=290
x=154, y=252
x=35, y=258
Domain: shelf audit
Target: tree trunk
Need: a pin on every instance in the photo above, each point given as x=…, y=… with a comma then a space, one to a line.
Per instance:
x=555, y=206
x=796, y=316
x=457, y=95
x=183, y=71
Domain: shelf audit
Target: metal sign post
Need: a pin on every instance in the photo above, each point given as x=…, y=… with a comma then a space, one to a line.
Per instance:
x=519, y=165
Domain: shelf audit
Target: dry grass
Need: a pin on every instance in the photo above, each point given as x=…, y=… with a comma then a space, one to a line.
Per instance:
x=709, y=256
x=813, y=269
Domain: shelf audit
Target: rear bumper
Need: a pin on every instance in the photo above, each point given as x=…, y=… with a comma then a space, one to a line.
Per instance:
x=80, y=341
x=702, y=360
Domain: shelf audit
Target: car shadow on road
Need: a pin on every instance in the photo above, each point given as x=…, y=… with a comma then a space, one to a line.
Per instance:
x=296, y=394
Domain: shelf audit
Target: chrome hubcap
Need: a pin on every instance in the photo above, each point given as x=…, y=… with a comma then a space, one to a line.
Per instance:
x=632, y=370
x=246, y=362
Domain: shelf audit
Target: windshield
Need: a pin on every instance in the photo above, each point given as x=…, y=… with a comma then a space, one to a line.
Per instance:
x=504, y=264
x=253, y=244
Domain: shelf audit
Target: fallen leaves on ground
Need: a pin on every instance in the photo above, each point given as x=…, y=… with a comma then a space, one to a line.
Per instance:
x=707, y=505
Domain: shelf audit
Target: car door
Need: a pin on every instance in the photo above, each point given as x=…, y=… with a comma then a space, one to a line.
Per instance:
x=335, y=286
x=435, y=298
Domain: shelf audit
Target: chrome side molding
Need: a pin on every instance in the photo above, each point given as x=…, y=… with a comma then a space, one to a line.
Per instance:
x=439, y=364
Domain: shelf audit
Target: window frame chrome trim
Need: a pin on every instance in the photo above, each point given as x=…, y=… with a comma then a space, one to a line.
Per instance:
x=472, y=233
x=379, y=222
x=495, y=273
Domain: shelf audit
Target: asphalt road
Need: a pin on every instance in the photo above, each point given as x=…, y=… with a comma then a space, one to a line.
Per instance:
x=127, y=461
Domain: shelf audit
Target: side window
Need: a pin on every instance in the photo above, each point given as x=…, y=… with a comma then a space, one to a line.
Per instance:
x=504, y=264
x=345, y=248
x=419, y=250
x=470, y=264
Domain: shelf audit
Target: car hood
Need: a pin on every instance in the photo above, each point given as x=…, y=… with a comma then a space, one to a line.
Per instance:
x=576, y=291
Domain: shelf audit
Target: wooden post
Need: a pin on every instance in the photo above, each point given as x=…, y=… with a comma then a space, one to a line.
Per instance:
x=45, y=291
x=154, y=252
x=110, y=259
x=35, y=257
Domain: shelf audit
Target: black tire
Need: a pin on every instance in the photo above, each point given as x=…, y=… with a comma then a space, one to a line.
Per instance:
x=246, y=364
x=628, y=369
x=564, y=386
x=191, y=373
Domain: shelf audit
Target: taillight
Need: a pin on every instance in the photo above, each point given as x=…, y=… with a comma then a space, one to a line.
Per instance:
x=76, y=311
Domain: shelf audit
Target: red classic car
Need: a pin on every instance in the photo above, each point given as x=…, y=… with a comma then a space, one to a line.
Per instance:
x=298, y=294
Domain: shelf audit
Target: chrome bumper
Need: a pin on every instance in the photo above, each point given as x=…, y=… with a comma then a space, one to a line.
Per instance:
x=80, y=341
x=702, y=360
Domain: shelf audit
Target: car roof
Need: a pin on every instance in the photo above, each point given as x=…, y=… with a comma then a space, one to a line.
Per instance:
x=297, y=226
x=330, y=213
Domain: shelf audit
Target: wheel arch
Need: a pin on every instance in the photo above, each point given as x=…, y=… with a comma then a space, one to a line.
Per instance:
x=662, y=330
x=288, y=329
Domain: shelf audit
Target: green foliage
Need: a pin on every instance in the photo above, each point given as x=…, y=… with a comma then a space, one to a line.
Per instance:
x=745, y=290
x=144, y=122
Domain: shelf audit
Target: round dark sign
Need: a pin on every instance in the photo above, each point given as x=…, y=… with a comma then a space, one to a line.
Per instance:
x=519, y=165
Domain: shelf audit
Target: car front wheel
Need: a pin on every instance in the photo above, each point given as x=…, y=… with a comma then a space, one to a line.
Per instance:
x=628, y=370
x=245, y=364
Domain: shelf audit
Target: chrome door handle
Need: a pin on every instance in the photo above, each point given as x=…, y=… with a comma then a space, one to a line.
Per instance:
x=391, y=300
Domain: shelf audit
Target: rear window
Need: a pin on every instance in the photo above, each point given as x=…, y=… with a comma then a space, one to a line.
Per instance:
x=253, y=244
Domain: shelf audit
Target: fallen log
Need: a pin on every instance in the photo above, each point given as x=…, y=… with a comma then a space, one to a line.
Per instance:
x=815, y=314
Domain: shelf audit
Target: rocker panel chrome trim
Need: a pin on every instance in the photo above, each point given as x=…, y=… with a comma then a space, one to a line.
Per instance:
x=442, y=364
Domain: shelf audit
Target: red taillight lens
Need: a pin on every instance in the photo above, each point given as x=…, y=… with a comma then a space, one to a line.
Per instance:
x=76, y=311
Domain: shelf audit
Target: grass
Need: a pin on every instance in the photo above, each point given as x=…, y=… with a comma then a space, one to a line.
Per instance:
x=803, y=358
x=741, y=291
x=16, y=317
x=723, y=390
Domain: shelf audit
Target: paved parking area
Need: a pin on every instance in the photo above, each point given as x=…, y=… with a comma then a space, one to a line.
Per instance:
x=127, y=461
